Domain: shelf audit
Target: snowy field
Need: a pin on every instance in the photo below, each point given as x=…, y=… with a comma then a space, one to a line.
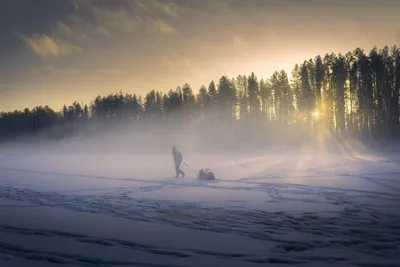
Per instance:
x=307, y=207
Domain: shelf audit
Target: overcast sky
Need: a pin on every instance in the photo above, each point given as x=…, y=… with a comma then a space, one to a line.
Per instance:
x=55, y=52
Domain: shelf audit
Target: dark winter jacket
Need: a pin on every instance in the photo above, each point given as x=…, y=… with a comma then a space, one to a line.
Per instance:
x=177, y=156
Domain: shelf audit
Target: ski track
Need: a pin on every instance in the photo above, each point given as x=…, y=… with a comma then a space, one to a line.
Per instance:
x=358, y=226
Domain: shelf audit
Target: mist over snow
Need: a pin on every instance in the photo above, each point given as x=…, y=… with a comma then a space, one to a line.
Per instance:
x=108, y=197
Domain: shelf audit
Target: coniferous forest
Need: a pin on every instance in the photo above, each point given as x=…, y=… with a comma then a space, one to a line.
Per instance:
x=353, y=95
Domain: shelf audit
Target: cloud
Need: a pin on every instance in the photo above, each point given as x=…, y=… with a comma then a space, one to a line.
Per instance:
x=109, y=17
x=80, y=29
x=46, y=46
x=141, y=4
x=78, y=4
x=105, y=17
x=163, y=27
x=102, y=30
x=157, y=26
x=63, y=29
x=168, y=8
x=117, y=19
x=165, y=7
x=78, y=21
x=238, y=42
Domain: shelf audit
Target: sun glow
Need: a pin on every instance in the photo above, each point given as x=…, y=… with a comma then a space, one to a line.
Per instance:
x=316, y=115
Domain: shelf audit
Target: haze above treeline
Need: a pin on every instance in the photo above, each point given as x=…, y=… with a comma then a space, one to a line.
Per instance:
x=354, y=95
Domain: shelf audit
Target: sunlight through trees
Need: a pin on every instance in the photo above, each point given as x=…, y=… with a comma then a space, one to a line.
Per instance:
x=353, y=95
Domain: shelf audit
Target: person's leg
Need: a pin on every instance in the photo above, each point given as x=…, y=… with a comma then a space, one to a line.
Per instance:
x=177, y=169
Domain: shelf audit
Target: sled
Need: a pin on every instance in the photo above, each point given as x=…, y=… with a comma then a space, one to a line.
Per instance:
x=206, y=174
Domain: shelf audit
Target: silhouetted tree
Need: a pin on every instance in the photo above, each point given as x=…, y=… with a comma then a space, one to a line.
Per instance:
x=356, y=93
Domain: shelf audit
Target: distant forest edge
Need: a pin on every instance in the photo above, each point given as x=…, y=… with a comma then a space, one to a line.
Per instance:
x=353, y=95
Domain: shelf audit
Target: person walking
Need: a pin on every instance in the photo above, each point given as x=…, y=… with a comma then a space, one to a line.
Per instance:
x=178, y=158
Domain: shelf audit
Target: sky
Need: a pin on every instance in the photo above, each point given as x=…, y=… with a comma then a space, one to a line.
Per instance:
x=55, y=52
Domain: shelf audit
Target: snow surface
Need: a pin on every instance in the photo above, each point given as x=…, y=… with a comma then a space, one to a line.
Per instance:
x=303, y=207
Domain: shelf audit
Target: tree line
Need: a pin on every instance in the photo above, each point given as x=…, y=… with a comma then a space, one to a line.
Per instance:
x=352, y=95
